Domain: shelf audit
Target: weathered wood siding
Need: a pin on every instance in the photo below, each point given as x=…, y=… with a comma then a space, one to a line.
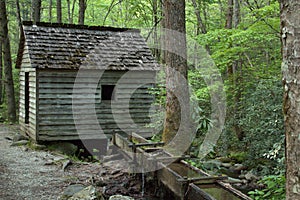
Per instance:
x=60, y=103
x=31, y=127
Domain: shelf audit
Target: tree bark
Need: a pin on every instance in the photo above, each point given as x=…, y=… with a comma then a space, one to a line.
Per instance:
x=162, y=34
x=19, y=14
x=36, y=5
x=290, y=27
x=234, y=69
x=1, y=72
x=236, y=13
x=82, y=7
x=200, y=25
x=69, y=12
x=58, y=11
x=9, y=84
x=229, y=14
x=50, y=10
x=155, y=25
x=175, y=41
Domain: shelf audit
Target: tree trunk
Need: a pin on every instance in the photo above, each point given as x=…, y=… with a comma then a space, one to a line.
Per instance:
x=155, y=25
x=229, y=15
x=1, y=72
x=236, y=13
x=9, y=84
x=50, y=10
x=290, y=27
x=175, y=41
x=69, y=12
x=200, y=25
x=36, y=5
x=162, y=34
x=18, y=14
x=58, y=11
x=73, y=10
x=82, y=7
x=234, y=69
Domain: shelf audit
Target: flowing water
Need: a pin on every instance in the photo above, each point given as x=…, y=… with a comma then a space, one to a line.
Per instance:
x=143, y=182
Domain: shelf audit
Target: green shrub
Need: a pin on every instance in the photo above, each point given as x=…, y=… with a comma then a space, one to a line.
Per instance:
x=275, y=188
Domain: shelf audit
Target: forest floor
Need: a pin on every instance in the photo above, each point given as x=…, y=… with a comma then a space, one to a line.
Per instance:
x=38, y=174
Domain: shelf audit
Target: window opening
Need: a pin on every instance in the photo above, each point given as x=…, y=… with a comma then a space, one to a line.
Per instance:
x=26, y=97
x=107, y=92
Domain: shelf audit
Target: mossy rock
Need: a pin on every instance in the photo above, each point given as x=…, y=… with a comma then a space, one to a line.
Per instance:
x=20, y=143
x=66, y=148
x=238, y=157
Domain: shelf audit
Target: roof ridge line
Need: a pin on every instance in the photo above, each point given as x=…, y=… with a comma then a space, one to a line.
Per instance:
x=77, y=26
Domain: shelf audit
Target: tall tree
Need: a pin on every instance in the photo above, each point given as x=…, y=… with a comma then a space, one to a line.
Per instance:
x=201, y=27
x=236, y=13
x=290, y=26
x=71, y=9
x=1, y=72
x=50, y=10
x=82, y=7
x=234, y=69
x=175, y=59
x=229, y=14
x=69, y=12
x=36, y=8
x=156, y=18
x=19, y=13
x=9, y=83
x=58, y=11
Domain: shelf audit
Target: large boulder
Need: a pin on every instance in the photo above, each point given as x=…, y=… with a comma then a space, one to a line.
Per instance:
x=88, y=193
x=71, y=190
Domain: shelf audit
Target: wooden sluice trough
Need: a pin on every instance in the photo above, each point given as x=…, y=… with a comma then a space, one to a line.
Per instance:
x=183, y=180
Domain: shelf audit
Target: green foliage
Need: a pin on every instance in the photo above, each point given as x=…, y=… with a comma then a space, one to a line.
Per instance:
x=157, y=117
x=262, y=120
x=201, y=101
x=238, y=157
x=275, y=188
x=254, y=91
x=3, y=106
x=3, y=113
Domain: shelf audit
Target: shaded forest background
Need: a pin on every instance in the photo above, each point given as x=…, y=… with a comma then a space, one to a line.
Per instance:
x=242, y=37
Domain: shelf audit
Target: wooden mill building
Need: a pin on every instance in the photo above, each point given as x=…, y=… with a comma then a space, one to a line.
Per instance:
x=83, y=82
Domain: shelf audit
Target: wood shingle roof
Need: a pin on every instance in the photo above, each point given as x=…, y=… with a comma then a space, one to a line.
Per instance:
x=64, y=46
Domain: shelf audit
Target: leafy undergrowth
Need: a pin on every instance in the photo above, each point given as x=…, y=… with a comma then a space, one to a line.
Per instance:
x=275, y=188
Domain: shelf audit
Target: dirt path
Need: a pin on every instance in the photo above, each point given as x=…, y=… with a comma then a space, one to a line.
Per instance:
x=24, y=173
x=38, y=175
